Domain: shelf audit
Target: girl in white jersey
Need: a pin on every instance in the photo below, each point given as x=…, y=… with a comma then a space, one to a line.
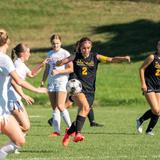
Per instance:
x=8, y=124
x=22, y=52
x=57, y=79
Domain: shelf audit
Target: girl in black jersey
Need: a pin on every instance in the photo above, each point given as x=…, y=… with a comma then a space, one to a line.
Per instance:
x=85, y=67
x=150, y=85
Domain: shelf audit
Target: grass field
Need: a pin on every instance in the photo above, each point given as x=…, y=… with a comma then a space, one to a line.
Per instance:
x=117, y=27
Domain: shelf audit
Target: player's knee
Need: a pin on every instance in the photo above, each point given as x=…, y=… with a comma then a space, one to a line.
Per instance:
x=86, y=109
x=26, y=127
x=156, y=111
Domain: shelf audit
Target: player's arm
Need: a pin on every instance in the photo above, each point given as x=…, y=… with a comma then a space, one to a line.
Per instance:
x=19, y=90
x=37, y=69
x=142, y=69
x=65, y=61
x=45, y=75
x=116, y=59
x=68, y=69
x=25, y=84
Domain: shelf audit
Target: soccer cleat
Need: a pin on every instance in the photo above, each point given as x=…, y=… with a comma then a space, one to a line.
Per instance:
x=139, y=126
x=66, y=139
x=94, y=124
x=54, y=134
x=72, y=134
x=50, y=121
x=78, y=137
x=150, y=133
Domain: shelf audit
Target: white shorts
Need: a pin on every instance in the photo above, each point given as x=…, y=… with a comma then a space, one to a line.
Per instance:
x=14, y=105
x=57, y=86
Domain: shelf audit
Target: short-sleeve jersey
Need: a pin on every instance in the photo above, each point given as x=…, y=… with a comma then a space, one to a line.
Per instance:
x=152, y=72
x=85, y=71
x=54, y=57
x=6, y=67
x=22, y=71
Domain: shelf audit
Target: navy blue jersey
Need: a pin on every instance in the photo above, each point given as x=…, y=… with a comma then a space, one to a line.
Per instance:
x=152, y=72
x=85, y=71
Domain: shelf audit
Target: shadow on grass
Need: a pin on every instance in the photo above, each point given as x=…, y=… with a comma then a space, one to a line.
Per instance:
x=37, y=151
x=135, y=38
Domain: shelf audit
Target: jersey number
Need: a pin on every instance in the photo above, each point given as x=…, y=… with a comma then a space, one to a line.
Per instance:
x=157, y=72
x=84, y=71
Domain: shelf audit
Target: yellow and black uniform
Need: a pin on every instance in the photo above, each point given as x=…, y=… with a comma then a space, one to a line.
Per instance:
x=85, y=71
x=152, y=75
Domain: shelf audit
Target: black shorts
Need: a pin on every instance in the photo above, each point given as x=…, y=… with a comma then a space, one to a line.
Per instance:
x=153, y=88
x=89, y=97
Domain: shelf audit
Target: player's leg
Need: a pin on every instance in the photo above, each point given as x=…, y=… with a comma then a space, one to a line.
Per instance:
x=91, y=118
x=61, y=99
x=11, y=128
x=56, y=119
x=154, y=101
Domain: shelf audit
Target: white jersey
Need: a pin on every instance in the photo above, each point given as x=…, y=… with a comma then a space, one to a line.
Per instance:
x=22, y=71
x=6, y=67
x=54, y=56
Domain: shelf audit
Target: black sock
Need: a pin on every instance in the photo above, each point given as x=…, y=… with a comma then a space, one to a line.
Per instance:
x=91, y=115
x=72, y=128
x=152, y=123
x=79, y=123
x=146, y=115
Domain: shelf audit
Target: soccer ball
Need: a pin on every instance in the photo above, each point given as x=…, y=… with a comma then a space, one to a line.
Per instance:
x=74, y=86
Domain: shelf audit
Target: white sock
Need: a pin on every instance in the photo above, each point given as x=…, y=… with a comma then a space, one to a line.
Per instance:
x=7, y=148
x=56, y=121
x=66, y=117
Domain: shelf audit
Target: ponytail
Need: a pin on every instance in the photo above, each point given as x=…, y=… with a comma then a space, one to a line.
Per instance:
x=13, y=54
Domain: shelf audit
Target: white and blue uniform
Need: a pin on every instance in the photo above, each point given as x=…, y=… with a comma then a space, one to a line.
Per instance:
x=6, y=67
x=14, y=98
x=57, y=83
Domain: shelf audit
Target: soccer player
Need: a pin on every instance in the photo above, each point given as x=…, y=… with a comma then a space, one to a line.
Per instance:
x=85, y=65
x=57, y=80
x=8, y=124
x=16, y=107
x=150, y=85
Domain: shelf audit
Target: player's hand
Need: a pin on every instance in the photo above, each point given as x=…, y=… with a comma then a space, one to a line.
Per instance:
x=55, y=72
x=144, y=88
x=28, y=99
x=59, y=63
x=128, y=59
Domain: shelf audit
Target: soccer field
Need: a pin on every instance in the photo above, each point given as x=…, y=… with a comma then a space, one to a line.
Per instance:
x=116, y=140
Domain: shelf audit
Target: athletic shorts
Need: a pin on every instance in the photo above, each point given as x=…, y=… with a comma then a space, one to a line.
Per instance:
x=15, y=105
x=57, y=86
x=153, y=88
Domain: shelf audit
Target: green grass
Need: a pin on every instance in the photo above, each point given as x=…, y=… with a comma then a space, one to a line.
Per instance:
x=117, y=27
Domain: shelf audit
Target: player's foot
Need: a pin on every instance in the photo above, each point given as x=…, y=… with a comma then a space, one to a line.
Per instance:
x=139, y=126
x=65, y=140
x=150, y=133
x=95, y=124
x=50, y=121
x=16, y=151
x=72, y=134
x=78, y=137
x=54, y=134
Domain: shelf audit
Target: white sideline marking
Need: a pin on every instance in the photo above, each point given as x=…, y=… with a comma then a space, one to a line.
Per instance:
x=35, y=116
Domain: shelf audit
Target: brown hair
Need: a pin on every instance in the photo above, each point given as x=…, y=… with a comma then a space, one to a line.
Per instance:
x=82, y=40
x=55, y=36
x=3, y=37
x=18, y=49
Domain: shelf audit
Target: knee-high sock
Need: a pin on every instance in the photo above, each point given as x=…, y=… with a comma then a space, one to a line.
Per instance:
x=56, y=121
x=152, y=123
x=145, y=116
x=66, y=117
x=79, y=123
x=91, y=115
x=7, y=148
x=72, y=128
